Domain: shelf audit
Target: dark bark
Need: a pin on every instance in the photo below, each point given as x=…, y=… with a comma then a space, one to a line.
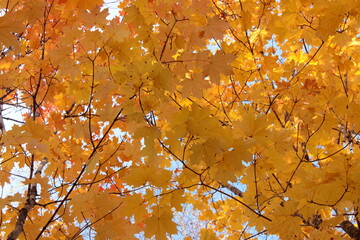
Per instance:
x=233, y=189
x=30, y=203
x=350, y=229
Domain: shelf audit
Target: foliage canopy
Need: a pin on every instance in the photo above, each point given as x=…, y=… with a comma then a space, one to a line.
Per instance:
x=246, y=110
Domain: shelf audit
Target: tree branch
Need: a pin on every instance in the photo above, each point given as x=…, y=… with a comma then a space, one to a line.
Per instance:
x=350, y=229
x=233, y=189
x=30, y=203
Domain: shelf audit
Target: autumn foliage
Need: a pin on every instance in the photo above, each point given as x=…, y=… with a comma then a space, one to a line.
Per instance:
x=240, y=114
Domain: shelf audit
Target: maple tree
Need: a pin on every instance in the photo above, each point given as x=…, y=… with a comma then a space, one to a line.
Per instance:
x=245, y=111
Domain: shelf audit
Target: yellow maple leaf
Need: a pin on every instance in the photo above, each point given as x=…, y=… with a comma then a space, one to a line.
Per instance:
x=141, y=175
x=160, y=224
x=134, y=205
x=219, y=64
x=216, y=28
x=91, y=163
x=95, y=17
x=198, y=121
x=9, y=25
x=138, y=176
x=207, y=234
x=287, y=224
x=194, y=86
x=116, y=31
x=254, y=126
x=175, y=199
x=200, y=6
x=159, y=177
